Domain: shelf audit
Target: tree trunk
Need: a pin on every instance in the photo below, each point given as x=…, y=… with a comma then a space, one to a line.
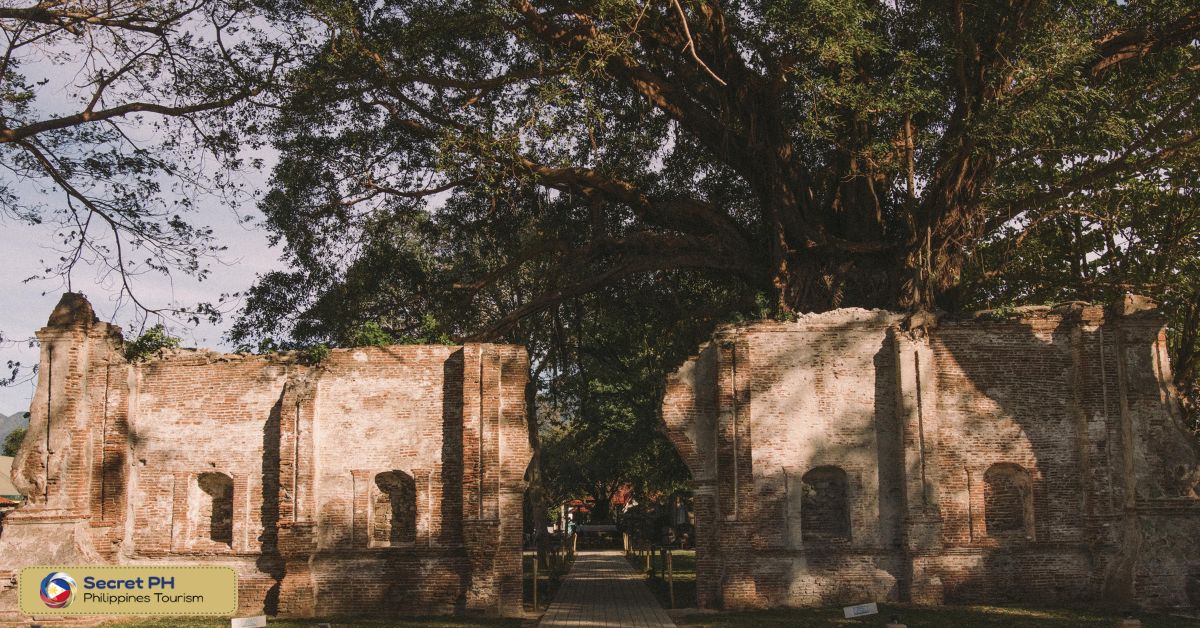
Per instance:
x=601, y=507
x=812, y=282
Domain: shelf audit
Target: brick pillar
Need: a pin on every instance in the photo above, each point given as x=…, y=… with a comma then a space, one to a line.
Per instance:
x=492, y=404
x=735, y=476
x=361, y=530
x=708, y=547
x=180, y=524
x=916, y=410
x=496, y=453
x=471, y=420
x=296, y=526
x=110, y=410
x=689, y=415
x=424, y=497
x=55, y=465
x=513, y=455
x=479, y=534
x=733, y=455
x=296, y=447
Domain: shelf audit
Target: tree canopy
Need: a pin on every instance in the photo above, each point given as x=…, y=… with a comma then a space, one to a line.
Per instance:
x=829, y=152
x=606, y=181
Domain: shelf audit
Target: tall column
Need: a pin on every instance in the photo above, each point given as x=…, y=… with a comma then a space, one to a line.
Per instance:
x=297, y=447
x=58, y=460
x=53, y=468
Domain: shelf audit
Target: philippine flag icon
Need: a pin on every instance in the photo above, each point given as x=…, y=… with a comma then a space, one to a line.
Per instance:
x=58, y=589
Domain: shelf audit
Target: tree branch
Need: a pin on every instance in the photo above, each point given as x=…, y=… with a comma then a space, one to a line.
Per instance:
x=1118, y=47
x=29, y=130
x=691, y=43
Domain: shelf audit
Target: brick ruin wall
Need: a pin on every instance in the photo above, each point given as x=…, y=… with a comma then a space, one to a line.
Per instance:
x=383, y=480
x=1038, y=458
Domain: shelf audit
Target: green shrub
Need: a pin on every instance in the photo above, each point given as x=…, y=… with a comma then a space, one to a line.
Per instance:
x=149, y=343
x=315, y=354
x=371, y=335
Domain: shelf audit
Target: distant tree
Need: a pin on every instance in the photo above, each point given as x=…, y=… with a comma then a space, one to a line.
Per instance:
x=597, y=359
x=12, y=442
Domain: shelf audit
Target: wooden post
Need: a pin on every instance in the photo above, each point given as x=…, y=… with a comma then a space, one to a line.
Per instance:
x=648, y=553
x=535, y=584
x=670, y=579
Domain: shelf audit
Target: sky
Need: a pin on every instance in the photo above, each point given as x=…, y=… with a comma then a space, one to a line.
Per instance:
x=25, y=305
x=60, y=72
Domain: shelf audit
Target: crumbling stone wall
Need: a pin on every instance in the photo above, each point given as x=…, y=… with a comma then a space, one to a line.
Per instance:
x=1035, y=457
x=285, y=471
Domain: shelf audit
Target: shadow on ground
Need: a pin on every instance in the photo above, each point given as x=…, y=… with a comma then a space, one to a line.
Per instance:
x=945, y=617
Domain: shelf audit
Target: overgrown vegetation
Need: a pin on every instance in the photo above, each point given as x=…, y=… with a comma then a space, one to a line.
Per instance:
x=315, y=354
x=150, y=343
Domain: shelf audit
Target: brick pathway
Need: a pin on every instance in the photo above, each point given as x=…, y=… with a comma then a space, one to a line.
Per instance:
x=603, y=590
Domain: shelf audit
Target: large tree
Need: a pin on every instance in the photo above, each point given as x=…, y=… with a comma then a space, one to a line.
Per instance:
x=828, y=152
x=534, y=170
x=598, y=358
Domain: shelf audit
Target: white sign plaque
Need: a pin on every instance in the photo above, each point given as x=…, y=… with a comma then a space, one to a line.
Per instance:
x=861, y=610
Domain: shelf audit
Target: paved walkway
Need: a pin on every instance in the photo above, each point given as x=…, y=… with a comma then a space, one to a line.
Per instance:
x=603, y=590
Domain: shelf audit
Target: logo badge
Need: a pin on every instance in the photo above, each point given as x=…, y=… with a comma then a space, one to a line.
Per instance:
x=58, y=589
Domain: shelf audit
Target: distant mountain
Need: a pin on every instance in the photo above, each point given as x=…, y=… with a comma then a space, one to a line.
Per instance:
x=12, y=422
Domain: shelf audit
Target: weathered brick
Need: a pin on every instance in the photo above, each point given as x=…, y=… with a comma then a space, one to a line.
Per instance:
x=1036, y=458
x=272, y=467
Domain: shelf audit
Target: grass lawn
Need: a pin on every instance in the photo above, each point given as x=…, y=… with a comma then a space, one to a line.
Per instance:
x=549, y=578
x=683, y=565
x=442, y=622
x=945, y=617
x=683, y=574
